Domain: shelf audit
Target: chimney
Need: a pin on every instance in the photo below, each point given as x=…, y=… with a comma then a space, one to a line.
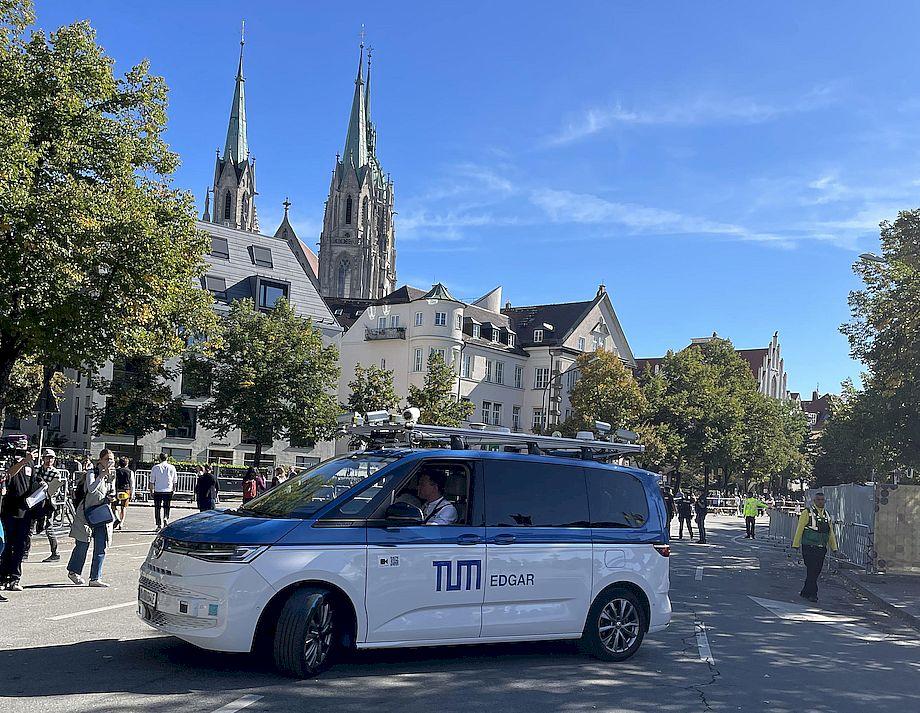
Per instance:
x=508, y=304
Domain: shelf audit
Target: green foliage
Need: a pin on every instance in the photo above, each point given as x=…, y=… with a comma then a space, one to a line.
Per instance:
x=272, y=377
x=138, y=399
x=371, y=390
x=437, y=399
x=24, y=388
x=605, y=391
x=98, y=253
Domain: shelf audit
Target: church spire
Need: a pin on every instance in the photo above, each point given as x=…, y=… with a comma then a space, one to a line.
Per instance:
x=367, y=89
x=236, y=148
x=356, y=138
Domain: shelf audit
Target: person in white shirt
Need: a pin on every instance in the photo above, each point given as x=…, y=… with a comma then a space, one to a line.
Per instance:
x=437, y=509
x=162, y=484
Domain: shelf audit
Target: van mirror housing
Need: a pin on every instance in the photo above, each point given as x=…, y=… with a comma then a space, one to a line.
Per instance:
x=404, y=514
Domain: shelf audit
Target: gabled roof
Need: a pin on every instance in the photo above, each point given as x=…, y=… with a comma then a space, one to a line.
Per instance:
x=439, y=292
x=563, y=317
x=401, y=295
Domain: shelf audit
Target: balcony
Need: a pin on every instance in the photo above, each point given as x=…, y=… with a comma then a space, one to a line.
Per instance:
x=384, y=333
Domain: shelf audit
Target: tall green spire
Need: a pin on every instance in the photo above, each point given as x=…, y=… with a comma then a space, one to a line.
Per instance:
x=236, y=148
x=356, y=139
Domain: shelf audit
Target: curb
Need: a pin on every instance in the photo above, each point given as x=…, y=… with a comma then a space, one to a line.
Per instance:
x=855, y=585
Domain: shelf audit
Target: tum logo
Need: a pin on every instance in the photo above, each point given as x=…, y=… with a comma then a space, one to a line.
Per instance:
x=455, y=579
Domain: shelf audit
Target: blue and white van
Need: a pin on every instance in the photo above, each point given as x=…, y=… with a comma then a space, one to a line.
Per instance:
x=542, y=547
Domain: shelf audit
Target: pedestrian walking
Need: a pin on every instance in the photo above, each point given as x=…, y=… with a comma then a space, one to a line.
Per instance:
x=751, y=508
x=162, y=484
x=815, y=533
x=49, y=511
x=684, y=506
x=206, y=488
x=22, y=487
x=124, y=491
x=92, y=521
x=668, y=507
x=700, y=509
x=253, y=484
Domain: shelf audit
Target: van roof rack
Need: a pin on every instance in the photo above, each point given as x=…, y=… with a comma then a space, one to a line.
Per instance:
x=390, y=435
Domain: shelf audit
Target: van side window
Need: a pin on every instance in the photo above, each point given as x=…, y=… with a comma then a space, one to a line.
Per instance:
x=527, y=494
x=617, y=499
x=456, y=477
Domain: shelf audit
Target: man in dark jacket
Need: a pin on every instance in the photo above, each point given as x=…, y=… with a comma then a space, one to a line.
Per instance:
x=668, y=506
x=684, y=505
x=206, y=488
x=15, y=513
x=701, y=508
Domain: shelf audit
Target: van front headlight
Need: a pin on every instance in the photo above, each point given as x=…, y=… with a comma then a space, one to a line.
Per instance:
x=215, y=552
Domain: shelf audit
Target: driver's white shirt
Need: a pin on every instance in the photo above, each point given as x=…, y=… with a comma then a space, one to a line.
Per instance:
x=446, y=512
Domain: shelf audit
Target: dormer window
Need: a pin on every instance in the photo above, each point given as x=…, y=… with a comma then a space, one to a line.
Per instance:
x=261, y=256
x=496, y=335
x=537, y=336
x=217, y=286
x=510, y=339
x=477, y=331
x=220, y=248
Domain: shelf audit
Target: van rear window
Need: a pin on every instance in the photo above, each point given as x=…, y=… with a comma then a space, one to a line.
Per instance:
x=304, y=495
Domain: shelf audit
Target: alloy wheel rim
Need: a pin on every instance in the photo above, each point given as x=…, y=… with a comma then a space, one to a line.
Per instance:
x=618, y=625
x=318, y=641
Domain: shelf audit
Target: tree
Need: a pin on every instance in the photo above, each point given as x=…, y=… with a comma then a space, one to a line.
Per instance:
x=97, y=252
x=437, y=399
x=884, y=334
x=605, y=391
x=371, y=390
x=272, y=377
x=138, y=399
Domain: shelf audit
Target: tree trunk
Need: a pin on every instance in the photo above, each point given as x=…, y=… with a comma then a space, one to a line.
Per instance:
x=9, y=354
x=706, y=470
x=134, y=458
x=257, y=457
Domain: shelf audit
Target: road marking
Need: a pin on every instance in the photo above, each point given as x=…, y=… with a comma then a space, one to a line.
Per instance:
x=797, y=613
x=238, y=704
x=702, y=643
x=699, y=574
x=92, y=611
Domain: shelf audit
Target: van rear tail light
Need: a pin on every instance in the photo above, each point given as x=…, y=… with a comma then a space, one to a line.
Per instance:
x=663, y=550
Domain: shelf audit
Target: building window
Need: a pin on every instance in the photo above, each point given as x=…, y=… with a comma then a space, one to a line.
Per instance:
x=217, y=286
x=381, y=322
x=539, y=419
x=394, y=321
x=496, y=414
x=174, y=453
x=468, y=366
x=419, y=317
x=499, y=372
x=227, y=205
x=510, y=339
x=477, y=331
x=540, y=377
x=343, y=278
x=488, y=370
x=86, y=420
x=270, y=293
x=459, y=321
x=537, y=336
x=518, y=376
x=220, y=248
x=268, y=460
x=196, y=378
x=187, y=426
x=572, y=379
x=76, y=414
x=486, y=411
x=305, y=461
x=496, y=335
x=348, y=208
x=515, y=418
x=220, y=457
x=417, y=366
x=261, y=256
x=440, y=319
x=440, y=352
x=581, y=344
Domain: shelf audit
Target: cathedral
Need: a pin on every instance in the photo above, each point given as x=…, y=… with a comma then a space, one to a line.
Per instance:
x=357, y=251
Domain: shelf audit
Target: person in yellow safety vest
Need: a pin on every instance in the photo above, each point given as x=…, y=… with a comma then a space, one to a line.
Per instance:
x=815, y=533
x=751, y=506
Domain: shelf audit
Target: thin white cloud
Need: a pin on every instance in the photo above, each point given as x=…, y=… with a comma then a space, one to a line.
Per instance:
x=701, y=109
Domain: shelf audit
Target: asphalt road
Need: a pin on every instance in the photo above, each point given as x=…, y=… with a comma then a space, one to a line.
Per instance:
x=740, y=640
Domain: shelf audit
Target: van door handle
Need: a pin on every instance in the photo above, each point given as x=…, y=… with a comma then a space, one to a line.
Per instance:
x=469, y=539
x=505, y=538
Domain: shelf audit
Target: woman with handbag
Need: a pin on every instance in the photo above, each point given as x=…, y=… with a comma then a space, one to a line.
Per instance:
x=93, y=521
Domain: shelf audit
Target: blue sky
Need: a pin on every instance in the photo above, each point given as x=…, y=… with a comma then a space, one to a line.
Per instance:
x=718, y=165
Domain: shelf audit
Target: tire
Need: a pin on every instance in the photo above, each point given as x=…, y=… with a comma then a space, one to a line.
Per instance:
x=616, y=625
x=305, y=635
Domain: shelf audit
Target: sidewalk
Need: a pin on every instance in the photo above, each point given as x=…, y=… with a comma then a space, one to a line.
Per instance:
x=897, y=594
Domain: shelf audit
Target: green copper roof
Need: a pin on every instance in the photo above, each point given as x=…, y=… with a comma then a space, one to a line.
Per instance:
x=356, y=139
x=438, y=292
x=236, y=148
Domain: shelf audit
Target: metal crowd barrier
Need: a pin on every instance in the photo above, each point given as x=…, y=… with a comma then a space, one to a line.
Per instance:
x=854, y=541
x=185, y=485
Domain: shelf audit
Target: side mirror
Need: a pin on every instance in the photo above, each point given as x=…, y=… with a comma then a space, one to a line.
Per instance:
x=404, y=514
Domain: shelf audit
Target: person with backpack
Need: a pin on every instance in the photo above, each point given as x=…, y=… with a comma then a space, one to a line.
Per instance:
x=253, y=484
x=124, y=491
x=92, y=520
x=684, y=505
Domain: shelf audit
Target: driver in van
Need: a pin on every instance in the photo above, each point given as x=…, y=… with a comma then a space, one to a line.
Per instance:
x=438, y=510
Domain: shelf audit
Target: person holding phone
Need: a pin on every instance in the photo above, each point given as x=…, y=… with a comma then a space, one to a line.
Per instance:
x=93, y=521
x=16, y=516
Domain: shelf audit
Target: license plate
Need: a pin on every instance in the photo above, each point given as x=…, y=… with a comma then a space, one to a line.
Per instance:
x=146, y=596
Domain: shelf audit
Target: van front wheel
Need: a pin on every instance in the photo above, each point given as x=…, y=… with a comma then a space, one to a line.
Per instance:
x=305, y=633
x=616, y=625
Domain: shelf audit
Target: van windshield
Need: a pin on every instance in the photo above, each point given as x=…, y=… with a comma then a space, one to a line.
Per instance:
x=305, y=494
